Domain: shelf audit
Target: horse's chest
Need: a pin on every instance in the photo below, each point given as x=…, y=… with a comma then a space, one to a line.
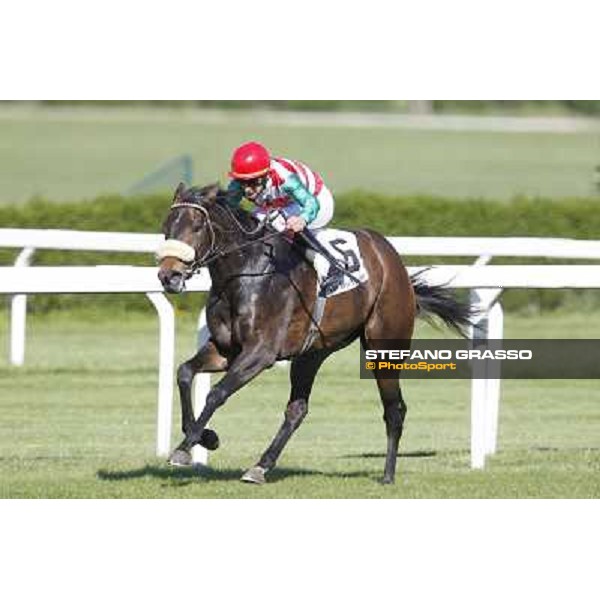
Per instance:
x=249, y=312
x=219, y=324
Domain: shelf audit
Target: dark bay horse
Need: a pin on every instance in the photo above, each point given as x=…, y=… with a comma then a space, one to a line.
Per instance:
x=259, y=311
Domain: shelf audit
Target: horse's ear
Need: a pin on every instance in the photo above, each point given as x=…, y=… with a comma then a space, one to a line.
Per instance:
x=212, y=192
x=179, y=192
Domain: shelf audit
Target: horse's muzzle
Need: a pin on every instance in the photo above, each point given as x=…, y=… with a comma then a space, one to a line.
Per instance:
x=172, y=281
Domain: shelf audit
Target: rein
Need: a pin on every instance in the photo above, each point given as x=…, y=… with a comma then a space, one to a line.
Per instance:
x=194, y=265
x=223, y=253
x=207, y=258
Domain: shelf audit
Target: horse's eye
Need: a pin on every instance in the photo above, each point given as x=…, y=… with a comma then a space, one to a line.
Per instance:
x=197, y=228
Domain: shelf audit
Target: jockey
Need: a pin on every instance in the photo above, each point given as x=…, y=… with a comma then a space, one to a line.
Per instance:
x=270, y=182
x=303, y=200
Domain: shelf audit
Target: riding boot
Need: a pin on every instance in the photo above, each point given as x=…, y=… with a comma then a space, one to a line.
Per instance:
x=311, y=248
x=332, y=281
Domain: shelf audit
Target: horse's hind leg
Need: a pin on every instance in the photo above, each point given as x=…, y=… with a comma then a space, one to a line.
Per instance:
x=392, y=318
x=394, y=412
x=207, y=360
x=303, y=371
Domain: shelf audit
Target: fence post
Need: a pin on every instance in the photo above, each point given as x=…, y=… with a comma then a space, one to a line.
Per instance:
x=485, y=382
x=201, y=389
x=479, y=332
x=166, y=361
x=495, y=332
x=18, y=314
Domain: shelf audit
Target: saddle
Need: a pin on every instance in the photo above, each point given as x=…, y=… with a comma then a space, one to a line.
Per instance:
x=338, y=264
x=336, y=259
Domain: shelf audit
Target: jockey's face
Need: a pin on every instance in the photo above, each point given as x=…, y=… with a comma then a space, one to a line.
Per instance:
x=253, y=188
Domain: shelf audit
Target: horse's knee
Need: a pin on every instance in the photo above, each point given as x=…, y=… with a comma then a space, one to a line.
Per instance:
x=296, y=410
x=185, y=374
x=393, y=415
x=403, y=410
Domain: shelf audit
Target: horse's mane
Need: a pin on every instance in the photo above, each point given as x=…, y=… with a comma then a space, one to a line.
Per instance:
x=213, y=195
x=197, y=194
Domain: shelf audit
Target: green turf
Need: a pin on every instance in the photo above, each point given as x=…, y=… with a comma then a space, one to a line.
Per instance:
x=79, y=421
x=73, y=154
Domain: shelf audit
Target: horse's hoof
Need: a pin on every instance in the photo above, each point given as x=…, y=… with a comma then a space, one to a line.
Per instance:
x=387, y=481
x=255, y=475
x=180, y=458
x=209, y=439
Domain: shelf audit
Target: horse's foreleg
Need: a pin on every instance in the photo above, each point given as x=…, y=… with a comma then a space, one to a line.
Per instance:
x=302, y=374
x=206, y=360
x=247, y=365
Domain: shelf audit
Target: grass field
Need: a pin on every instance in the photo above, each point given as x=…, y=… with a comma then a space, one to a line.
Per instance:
x=79, y=422
x=72, y=154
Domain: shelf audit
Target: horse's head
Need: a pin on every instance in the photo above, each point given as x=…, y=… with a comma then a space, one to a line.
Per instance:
x=189, y=235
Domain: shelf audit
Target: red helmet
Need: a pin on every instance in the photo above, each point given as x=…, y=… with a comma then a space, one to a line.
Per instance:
x=249, y=161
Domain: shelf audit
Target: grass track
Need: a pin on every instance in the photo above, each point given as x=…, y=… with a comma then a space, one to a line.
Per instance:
x=79, y=421
x=75, y=154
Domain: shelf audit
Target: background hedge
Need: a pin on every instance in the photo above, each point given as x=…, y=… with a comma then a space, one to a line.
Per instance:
x=411, y=216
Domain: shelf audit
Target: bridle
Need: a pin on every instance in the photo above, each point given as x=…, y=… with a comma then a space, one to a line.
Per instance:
x=198, y=263
x=211, y=254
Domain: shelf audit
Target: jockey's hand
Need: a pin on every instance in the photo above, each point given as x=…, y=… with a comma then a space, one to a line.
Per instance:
x=295, y=224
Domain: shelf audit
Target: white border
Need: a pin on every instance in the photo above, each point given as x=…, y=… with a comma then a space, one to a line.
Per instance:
x=314, y=50
x=299, y=549
x=293, y=549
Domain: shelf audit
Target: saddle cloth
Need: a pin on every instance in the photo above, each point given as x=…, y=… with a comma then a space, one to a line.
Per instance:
x=343, y=246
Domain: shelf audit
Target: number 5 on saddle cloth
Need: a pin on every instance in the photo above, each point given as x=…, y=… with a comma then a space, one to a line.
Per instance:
x=334, y=254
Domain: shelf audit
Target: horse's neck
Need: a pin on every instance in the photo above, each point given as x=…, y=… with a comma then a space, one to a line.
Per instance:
x=233, y=218
x=252, y=261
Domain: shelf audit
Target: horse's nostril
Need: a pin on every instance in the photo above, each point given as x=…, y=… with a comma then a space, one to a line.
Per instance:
x=171, y=280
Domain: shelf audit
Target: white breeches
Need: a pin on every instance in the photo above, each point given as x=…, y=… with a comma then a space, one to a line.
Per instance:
x=326, y=205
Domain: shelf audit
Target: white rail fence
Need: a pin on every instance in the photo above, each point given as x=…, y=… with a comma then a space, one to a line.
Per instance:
x=30, y=240
x=486, y=283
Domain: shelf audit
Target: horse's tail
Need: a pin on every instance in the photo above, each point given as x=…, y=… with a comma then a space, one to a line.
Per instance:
x=440, y=301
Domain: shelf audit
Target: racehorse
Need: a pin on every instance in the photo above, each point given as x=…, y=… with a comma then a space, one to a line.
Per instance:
x=259, y=311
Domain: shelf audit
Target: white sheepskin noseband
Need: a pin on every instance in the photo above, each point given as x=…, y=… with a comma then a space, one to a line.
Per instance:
x=176, y=249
